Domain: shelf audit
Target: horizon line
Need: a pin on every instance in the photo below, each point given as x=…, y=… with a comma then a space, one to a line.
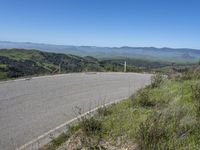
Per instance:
x=123, y=46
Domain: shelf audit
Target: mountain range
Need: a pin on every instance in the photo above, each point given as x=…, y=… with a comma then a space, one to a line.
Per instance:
x=148, y=53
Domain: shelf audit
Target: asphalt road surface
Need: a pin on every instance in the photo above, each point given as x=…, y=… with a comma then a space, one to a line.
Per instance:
x=29, y=108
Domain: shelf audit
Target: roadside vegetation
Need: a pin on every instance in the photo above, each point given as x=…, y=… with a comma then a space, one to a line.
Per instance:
x=163, y=116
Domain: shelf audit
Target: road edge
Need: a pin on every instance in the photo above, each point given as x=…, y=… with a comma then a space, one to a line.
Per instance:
x=47, y=137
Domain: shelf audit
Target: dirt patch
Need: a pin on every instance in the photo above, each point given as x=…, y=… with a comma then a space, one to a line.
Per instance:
x=81, y=142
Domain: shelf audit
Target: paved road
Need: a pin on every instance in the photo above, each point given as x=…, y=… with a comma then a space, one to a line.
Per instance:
x=29, y=108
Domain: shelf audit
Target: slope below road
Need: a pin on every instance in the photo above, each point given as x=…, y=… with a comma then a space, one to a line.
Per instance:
x=29, y=108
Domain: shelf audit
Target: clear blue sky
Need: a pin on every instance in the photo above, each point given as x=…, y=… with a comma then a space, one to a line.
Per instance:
x=160, y=23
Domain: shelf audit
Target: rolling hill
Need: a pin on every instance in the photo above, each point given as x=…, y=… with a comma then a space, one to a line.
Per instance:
x=20, y=62
x=148, y=53
x=27, y=62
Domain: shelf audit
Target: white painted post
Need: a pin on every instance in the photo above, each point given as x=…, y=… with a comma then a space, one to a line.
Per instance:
x=124, y=66
x=59, y=68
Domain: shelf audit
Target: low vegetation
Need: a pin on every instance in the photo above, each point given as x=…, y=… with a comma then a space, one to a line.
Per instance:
x=196, y=97
x=16, y=63
x=20, y=62
x=164, y=115
x=156, y=80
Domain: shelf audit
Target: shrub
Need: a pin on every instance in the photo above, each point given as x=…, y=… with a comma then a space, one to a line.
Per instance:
x=151, y=133
x=193, y=73
x=3, y=75
x=143, y=98
x=196, y=97
x=91, y=126
x=88, y=123
x=104, y=111
x=156, y=80
x=187, y=75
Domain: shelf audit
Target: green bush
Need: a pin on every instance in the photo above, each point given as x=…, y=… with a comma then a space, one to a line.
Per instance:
x=91, y=126
x=3, y=75
x=104, y=111
x=196, y=96
x=151, y=133
x=187, y=75
x=156, y=80
x=190, y=74
x=143, y=99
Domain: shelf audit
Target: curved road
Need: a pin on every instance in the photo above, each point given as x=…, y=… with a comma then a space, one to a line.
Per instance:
x=29, y=108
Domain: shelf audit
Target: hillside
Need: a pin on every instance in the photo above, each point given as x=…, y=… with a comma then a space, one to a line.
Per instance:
x=24, y=62
x=164, y=115
x=20, y=62
x=148, y=53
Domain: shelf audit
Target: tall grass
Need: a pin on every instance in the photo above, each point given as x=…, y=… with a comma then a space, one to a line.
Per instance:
x=162, y=116
x=196, y=97
x=156, y=80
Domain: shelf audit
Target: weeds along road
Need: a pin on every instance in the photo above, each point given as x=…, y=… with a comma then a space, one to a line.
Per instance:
x=29, y=108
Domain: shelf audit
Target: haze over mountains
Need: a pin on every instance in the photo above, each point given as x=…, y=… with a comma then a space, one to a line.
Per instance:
x=151, y=53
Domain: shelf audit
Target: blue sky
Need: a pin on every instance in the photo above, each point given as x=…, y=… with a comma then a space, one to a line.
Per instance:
x=159, y=23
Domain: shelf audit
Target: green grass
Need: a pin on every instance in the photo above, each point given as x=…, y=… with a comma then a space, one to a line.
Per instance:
x=172, y=122
x=177, y=115
x=3, y=66
x=56, y=142
x=174, y=111
x=21, y=54
x=48, y=66
x=123, y=121
x=3, y=75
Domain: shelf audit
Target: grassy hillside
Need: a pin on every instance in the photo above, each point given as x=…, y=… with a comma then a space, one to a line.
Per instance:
x=19, y=62
x=164, y=115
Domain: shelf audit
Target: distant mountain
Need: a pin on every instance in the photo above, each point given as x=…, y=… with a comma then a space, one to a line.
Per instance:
x=149, y=53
